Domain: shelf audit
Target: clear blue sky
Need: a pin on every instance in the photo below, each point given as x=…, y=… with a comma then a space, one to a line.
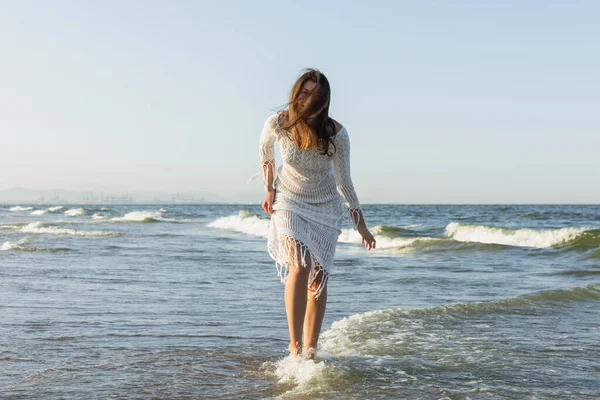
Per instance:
x=445, y=102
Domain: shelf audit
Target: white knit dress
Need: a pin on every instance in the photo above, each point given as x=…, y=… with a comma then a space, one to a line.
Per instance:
x=313, y=193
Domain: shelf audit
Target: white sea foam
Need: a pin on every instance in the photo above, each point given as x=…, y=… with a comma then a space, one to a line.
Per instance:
x=382, y=241
x=298, y=369
x=10, y=246
x=38, y=227
x=512, y=237
x=98, y=216
x=141, y=216
x=75, y=212
x=376, y=337
x=380, y=334
x=6, y=246
x=245, y=222
x=339, y=340
x=20, y=208
x=162, y=210
x=9, y=226
x=352, y=236
x=48, y=210
x=401, y=243
x=308, y=376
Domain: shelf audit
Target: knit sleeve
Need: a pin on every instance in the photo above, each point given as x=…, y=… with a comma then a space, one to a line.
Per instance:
x=267, y=150
x=343, y=178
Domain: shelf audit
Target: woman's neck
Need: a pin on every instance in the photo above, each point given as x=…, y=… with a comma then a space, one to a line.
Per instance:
x=311, y=121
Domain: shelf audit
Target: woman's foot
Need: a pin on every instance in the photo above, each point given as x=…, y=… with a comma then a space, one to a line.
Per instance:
x=309, y=353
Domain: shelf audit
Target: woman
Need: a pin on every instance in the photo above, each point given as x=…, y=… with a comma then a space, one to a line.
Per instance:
x=303, y=199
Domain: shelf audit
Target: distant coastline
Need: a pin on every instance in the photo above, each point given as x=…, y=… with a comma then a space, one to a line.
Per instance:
x=20, y=195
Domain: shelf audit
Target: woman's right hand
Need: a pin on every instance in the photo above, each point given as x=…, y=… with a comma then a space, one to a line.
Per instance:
x=267, y=203
x=367, y=238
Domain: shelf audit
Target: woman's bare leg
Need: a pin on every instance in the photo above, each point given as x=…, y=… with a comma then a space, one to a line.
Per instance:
x=295, y=298
x=313, y=320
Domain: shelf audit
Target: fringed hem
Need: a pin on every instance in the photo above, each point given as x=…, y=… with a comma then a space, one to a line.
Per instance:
x=355, y=216
x=283, y=269
x=267, y=166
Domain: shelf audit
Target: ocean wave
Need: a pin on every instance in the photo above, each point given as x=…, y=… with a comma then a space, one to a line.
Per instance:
x=143, y=216
x=395, y=231
x=252, y=224
x=39, y=227
x=513, y=237
x=98, y=216
x=12, y=226
x=585, y=293
x=245, y=222
x=385, y=242
x=50, y=210
x=381, y=331
x=20, y=208
x=6, y=246
x=73, y=212
x=399, y=240
x=22, y=245
x=543, y=298
x=457, y=237
x=590, y=239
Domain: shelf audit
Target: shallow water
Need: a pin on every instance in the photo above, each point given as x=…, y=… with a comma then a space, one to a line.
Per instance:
x=179, y=301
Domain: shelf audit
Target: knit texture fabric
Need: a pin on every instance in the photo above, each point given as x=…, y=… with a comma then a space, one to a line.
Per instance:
x=313, y=193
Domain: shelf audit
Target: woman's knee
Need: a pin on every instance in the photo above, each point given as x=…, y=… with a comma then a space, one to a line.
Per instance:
x=298, y=270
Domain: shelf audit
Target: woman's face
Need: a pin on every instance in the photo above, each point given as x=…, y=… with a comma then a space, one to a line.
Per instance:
x=304, y=96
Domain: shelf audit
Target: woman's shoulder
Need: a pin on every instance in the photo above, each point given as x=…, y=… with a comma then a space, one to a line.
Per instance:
x=338, y=127
x=277, y=119
x=273, y=121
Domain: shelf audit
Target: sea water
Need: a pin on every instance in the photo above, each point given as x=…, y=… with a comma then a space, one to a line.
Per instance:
x=183, y=302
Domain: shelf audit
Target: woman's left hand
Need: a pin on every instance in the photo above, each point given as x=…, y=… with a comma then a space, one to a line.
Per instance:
x=267, y=203
x=367, y=238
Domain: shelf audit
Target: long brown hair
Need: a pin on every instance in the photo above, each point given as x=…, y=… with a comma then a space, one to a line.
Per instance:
x=321, y=131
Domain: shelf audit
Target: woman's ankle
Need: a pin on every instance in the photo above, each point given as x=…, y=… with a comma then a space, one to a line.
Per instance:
x=295, y=349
